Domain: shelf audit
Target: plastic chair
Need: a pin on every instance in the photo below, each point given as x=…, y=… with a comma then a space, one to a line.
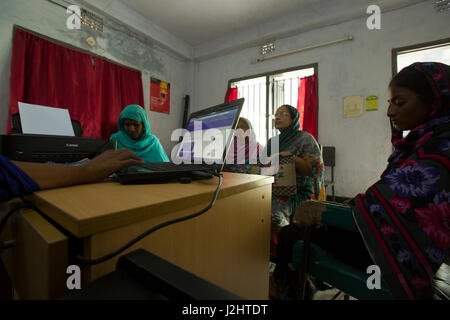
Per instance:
x=329, y=160
x=308, y=258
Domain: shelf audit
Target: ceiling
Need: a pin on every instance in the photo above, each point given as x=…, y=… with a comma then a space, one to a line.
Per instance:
x=202, y=29
x=199, y=21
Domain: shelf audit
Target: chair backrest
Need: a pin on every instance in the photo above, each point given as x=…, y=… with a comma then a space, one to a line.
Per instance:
x=322, y=265
x=16, y=126
x=329, y=156
x=329, y=160
x=308, y=257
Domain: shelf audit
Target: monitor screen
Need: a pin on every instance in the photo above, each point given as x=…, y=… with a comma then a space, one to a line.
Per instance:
x=209, y=136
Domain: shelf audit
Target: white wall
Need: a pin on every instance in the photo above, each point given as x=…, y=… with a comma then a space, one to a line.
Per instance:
x=359, y=67
x=144, y=54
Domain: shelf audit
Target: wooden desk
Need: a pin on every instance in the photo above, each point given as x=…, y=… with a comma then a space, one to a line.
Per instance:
x=228, y=245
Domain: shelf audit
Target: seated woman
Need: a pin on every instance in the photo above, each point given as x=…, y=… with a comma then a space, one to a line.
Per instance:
x=244, y=151
x=134, y=134
x=402, y=218
x=308, y=165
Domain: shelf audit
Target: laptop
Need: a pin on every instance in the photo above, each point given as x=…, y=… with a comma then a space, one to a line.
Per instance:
x=200, y=154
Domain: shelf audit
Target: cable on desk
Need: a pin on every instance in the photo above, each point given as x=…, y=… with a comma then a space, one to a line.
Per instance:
x=85, y=261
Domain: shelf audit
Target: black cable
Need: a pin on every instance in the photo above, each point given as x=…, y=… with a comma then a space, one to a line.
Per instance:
x=9, y=214
x=85, y=261
x=9, y=243
x=5, y=244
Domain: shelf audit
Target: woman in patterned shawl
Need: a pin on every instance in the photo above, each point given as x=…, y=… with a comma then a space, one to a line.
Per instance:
x=404, y=217
x=308, y=165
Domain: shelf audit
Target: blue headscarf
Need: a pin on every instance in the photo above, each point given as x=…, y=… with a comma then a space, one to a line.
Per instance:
x=147, y=147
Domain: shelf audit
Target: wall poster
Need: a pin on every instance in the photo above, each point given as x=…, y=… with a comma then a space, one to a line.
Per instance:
x=159, y=96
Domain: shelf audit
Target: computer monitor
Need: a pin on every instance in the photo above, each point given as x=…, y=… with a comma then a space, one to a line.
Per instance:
x=210, y=133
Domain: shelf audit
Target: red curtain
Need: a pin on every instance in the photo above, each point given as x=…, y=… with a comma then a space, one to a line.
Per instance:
x=93, y=90
x=307, y=105
x=231, y=94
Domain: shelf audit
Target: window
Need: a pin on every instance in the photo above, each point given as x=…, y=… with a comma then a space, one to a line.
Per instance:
x=264, y=93
x=436, y=51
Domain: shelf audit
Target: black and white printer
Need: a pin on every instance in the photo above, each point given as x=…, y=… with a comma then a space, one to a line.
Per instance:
x=48, y=147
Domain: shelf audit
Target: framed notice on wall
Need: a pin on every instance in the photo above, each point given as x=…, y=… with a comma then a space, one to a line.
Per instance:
x=159, y=96
x=353, y=106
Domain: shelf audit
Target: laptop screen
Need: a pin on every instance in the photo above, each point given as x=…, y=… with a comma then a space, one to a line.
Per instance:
x=210, y=134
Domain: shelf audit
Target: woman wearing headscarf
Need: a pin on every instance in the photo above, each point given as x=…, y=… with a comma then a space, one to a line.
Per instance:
x=244, y=150
x=403, y=218
x=308, y=165
x=134, y=134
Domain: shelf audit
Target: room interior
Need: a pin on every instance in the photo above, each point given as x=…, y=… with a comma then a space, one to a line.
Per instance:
x=202, y=47
x=176, y=45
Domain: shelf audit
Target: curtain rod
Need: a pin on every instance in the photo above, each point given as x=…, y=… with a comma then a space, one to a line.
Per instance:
x=71, y=46
x=303, y=49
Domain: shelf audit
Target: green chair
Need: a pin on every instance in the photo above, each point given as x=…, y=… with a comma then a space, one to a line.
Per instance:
x=308, y=258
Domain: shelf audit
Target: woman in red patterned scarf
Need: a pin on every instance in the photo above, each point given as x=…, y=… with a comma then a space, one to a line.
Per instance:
x=404, y=217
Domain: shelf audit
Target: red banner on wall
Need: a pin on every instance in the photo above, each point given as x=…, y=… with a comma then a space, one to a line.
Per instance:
x=159, y=96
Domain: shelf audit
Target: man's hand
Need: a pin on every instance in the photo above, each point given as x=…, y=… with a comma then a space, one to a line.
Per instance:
x=56, y=175
x=108, y=162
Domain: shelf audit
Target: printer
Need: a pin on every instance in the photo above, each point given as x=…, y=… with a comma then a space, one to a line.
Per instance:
x=51, y=148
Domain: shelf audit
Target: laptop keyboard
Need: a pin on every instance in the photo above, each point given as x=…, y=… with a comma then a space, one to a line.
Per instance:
x=169, y=166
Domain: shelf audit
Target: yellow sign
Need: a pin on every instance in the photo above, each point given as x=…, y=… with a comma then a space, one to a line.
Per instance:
x=372, y=103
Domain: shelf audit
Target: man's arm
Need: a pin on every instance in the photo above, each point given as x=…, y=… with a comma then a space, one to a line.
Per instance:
x=58, y=175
